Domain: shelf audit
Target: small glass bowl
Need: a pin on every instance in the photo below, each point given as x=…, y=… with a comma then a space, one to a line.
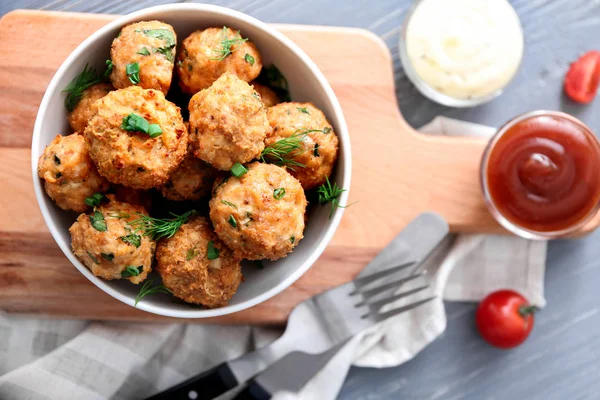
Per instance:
x=427, y=90
x=504, y=221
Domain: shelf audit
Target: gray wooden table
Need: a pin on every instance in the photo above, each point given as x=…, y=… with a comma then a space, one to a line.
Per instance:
x=561, y=360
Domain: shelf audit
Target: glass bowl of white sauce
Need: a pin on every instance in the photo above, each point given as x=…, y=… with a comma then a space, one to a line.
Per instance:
x=461, y=53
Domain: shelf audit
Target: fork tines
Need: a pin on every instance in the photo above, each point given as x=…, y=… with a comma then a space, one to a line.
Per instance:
x=359, y=282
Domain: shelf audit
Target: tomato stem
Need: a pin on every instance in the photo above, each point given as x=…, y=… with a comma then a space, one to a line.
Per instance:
x=525, y=311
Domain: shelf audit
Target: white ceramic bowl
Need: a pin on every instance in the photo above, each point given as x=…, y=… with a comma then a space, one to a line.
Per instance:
x=306, y=83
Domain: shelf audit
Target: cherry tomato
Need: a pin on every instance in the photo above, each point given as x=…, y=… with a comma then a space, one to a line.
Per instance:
x=505, y=319
x=581, y=81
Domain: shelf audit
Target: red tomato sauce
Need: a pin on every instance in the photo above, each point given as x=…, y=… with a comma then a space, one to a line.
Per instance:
x=543, y=173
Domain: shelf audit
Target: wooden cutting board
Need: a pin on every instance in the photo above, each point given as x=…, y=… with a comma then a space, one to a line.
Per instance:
x=396, y=173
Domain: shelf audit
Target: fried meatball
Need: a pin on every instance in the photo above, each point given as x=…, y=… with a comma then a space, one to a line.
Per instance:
x=261, y=214
x=150, y=44
x=206, y=55
x=84, y=110
x=106, y=244
x=133, y=196
x=135, y=159
x=69, y=174
x=192, y=180
x=229, y=123
x=319, y=145
x=184, y=265
x=268, y=97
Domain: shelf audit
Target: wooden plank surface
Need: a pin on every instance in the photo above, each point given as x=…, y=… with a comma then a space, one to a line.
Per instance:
x=397, y=173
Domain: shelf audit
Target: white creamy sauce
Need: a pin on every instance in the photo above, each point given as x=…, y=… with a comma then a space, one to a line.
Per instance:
x=465, y=48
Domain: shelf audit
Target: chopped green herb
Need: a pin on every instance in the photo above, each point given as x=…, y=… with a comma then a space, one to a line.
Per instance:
x=283, y=151
x=147, y=289
x=228, y=203
x=191, y=253
x=132, y=239
x=98, y=222
x=131, y=271
x=108, y=256
x=226, y=44
x=135, y=123
x=154, y=130
x=56, y=160
x=316, y=150
x=133, y=72
x=109, y=67
x=78, y=85
x=161, y=34
x=94, y=259
x=94, y=199
x=144, y=51
x=238, y=170
x=212, y=251
x=273, y=78
x=279, y=193
x=326, y=130
x=259, y=264
x=330, y=193
x=249, y=59
x=303, y=110
x=167, y=51
x=158, y=228
x=292, y=239
x=232, y=221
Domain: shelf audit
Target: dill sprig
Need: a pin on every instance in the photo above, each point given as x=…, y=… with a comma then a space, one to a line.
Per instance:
x=147, y=289
x=331, y=193
x=282, y=152
x=226, y=44
x=158, y=228
x=78, y=85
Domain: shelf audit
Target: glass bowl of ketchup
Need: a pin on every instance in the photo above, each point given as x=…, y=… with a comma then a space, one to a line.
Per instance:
x=540, y=175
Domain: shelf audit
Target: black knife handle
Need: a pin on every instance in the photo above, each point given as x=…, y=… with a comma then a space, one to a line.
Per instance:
x=253, y=392
x=205, y=386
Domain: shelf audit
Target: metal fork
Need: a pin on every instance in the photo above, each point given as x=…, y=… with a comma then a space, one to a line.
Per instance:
x=314, y=326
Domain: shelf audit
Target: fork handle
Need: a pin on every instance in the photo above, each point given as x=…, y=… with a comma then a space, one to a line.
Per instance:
x=206, y=386
x=253, y=391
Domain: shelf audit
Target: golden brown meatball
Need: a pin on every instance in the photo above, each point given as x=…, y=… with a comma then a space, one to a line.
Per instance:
x=133, y=196
x=192, y=180
x=206, y=55
x=229, y=123
x=135, y=159
x=69, y=174
x=188, y=267
x=319, y=145
x=105, y=243
x=84, y=110
x=150, y=45
x=261, y=214
x=268, y=97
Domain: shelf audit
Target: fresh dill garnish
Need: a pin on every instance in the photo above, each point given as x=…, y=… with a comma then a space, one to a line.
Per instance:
x=147, y=289
x=78, y=85
x=132, y=239
x=131, y=271
x=283, y=151
x=249, y=59
x=191, y=253
x=98, y=222
x=228, y=204
x=212, y=252
x=108, y=256
x=158, y=228
x=278, y=193
x=303, y=110
x=94, y=259
x=226, y=44
x=232, y=221
x=271, y=76
x=144, y=51
x=94, y=199
x=329, y=193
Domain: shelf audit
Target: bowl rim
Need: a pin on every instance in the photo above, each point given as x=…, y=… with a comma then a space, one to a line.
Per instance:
x=344, y=163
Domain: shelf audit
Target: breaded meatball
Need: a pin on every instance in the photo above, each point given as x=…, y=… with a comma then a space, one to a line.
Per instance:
x=319, y=145
x=130, y=158
x=133, y=196
x=150, y=44
x=268, y=97
x=229, y=123
x=206, y=55
x=192, y=180
x=261, y=214
x=69, y=174
x=84, y=110
x=108, y=246
x=184, y=265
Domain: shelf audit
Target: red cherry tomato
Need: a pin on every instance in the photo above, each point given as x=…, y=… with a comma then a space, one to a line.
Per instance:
x=505, y=318
x=581, y=81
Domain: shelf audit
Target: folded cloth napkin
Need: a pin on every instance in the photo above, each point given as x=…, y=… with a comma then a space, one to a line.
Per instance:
x=51, y=359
